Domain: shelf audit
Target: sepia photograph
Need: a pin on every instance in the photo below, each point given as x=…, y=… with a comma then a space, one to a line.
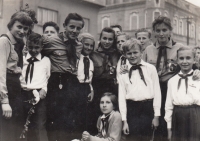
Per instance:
x=100, y=70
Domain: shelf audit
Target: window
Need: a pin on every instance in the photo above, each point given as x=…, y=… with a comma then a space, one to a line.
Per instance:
x=134, y=21
x=1, y=8
x=46, y=15
x=126, y=0
x=192, y=30
x=157, y=3
x=105, y=21
x=175, y=23
x=156, y=13
x=145, y=19
x=86, y=26
x=116, y=1
x=181, y=27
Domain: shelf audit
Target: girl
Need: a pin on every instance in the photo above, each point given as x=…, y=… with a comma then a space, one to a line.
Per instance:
x=110, y=123
x=11, y=46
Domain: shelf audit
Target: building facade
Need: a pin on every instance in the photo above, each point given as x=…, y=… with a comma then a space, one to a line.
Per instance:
x=136, y=14
x=54, y=10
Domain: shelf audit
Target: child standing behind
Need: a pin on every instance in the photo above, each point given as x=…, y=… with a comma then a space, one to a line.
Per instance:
x=182, y=108
x=35, y=75
x=139, y=95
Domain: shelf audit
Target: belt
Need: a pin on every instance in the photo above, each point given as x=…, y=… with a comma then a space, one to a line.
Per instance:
x=146, y=100
x=187, y=106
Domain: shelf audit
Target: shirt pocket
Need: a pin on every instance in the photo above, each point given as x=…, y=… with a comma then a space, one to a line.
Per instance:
x=60, y=52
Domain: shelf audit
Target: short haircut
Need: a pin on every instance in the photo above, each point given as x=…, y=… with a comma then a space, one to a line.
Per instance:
x=185, y=48
x=21, y=17
x=35, y=38
x=74, y=16
x=84, y=36
x=160, y=20
x=108, y=30
x=129, y=44
x=117, y=26
x=113, y=99
x=53, y=24
x=195, y=48
x=143, y=30
x=122, y=34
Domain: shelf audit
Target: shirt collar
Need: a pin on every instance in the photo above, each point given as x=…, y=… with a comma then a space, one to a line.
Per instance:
x=11, y=37
x=104, y=116
x=65, y=38
x=187, y=73
x=38, y=56
x=169, y=44
x=82, y=56
x=142, y=63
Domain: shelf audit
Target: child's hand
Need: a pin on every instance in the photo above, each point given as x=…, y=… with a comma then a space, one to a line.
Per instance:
x=42, y=94
x=91, y=96
x=7, y=110
x=125, y=128
x=85, y=136
x=196, y=75
x=123, y=69
x=169, y=131
x=155, y=122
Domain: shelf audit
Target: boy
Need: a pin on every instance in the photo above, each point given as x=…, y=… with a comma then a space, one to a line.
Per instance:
x=139, y=95
x=120, y=39
x=50, y=29
x=182, y=107
x=35, y=75
x=117, y=28
x=143, y=36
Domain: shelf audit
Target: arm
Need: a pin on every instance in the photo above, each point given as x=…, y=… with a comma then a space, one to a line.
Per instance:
x=4, y=53
x=43, y=91
x=115, y=130
x=169, y=109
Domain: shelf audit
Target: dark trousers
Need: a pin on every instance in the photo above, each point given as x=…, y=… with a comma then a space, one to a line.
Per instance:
x=37, y=126
x=10, y=129
x=62, y=107
x=186, y=123
x=100, y=86
x=139, y=117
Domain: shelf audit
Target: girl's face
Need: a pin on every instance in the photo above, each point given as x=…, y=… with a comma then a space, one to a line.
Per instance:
x=18, y=30
x=106, y=105
x=107, y=40
x=88, y=46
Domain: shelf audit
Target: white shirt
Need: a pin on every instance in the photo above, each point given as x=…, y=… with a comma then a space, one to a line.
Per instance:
x=41, y=73
x=80, y=71
x=137, y=90
x=179, y=96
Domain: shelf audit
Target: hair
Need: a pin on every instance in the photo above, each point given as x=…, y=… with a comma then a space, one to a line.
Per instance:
x=84, y=36
x=74, y=16
x=195, y=48
x=108, y=30
x=122, y=34
x=117, y=26
x=160, y=20
x=143, y=30
x=53, y=24
x=113, y=99
x=21, y=17
x=185, y=48
x=129, y=44
x=35, y=38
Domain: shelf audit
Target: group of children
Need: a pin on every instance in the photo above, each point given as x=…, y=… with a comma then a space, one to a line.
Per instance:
x=65, y=80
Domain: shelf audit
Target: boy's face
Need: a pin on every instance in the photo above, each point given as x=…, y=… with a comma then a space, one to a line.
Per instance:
x=185, y=60
x=88, y=46
x=50, y=31
x=73, y=29
x=134, y=55
x=34, y=49
x=107, y=40
x=18, y=30
x=117, y=30
x=143, y=37
x=197, y=53
x=120, y=40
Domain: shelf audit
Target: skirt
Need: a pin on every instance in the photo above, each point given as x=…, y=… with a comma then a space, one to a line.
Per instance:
x=10, y=129
x=186, y=123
